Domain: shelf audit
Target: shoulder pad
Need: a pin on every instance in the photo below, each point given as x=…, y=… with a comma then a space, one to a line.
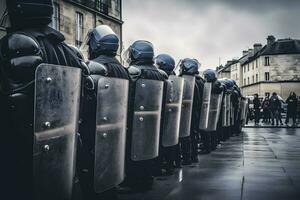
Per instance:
x=19, y=45
x=134, y=71
x=163, y=73
x=94, y=68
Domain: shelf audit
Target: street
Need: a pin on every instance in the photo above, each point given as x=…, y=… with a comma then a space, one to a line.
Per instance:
x=262, y=163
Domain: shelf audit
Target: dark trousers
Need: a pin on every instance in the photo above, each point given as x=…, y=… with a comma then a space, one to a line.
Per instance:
x=214, y=140
x=168, y=156
x=185, y=144
x=256, y=115
x=206, y=141
x=291, y=114
x=139, y=174
x=195, y=141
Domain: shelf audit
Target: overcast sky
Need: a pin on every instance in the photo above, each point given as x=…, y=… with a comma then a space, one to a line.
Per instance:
x=208, y=29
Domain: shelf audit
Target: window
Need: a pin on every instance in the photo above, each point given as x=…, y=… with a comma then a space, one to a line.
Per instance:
x=253, y=79
x=244, y=68
x=248, y=80
x=256, y=62
x=256, y=77
x=252, y=65
x=79, y=29
x=244, y=81
x=267, y=61
x=267, y=76
x=248, y=67
x=56, y=17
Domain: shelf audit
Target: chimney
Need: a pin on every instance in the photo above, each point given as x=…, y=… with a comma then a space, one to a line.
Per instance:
x=250, y=52
x=270, y=40
x=245, y=52
x=257, y=47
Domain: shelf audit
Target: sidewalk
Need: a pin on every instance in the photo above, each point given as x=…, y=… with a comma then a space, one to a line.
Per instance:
x=261, y=164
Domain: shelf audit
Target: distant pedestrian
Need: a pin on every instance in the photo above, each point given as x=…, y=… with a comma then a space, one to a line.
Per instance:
x=266, y=109
x=275, y=107
x=291, y=108
x=257, y=104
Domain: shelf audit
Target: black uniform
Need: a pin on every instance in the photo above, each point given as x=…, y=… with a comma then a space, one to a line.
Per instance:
x=139, y=173
x=103, y=65
x=21, y=52
x=189, y=145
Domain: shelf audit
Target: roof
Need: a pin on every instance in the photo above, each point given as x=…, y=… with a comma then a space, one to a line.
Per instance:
x=226, y=68
x=281, y=46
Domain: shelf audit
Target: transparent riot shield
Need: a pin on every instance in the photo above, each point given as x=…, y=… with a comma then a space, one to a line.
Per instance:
x=228, y=107
x=243, y=111
x=187, y=106
x=172, y=111
x=110, y=138
x=204, y=114
x=223, y=111
x=146, y=119
x=57, y=95
x=226, y=110
x=232, y=118
x=214, y=111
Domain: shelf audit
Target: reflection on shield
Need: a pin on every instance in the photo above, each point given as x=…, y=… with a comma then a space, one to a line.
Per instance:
x=172, y=111
x=110, y=139
x=57, y=94
x=187, y=106
x=244, y=109
x=146, y=119
x=214, y=111
x=232, y=118
x=226, y=110
x=203, y=124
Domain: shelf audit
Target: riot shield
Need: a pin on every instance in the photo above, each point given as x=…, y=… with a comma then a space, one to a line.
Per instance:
x=228, y=107
x=232, y=118
x=187, y=106
x=172, y=111
x=204, y=114
x=226, y=110
x=57, y=95
x=146, y=119
x=110, y=138
x=214, y=111
x=243, y=112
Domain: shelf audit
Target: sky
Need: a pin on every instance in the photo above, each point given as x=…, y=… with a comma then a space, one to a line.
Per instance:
x=212, y=31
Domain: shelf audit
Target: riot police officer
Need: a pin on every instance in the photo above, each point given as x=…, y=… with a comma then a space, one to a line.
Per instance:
x=169, y=135
x=101, y=158
x=144, y=114
x=32, y=95
x=210, y=110
x=228, y=109
x=189, y=142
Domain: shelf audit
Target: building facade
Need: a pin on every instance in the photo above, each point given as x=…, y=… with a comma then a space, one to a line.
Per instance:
x=74, y=18
x=225, y=71
x=274, y=67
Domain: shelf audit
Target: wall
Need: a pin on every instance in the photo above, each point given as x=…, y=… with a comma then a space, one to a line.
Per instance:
x=283, y=89
x=284, y=67
x=68, y=21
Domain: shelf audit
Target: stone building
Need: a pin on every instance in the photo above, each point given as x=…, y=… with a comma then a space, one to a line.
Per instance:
x=225, y=71
x=74, y=18
x=274, y=67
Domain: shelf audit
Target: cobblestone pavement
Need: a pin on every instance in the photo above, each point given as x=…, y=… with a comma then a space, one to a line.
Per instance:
x=260, y=164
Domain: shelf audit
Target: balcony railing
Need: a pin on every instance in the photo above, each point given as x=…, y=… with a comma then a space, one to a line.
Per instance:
x=95, y=5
